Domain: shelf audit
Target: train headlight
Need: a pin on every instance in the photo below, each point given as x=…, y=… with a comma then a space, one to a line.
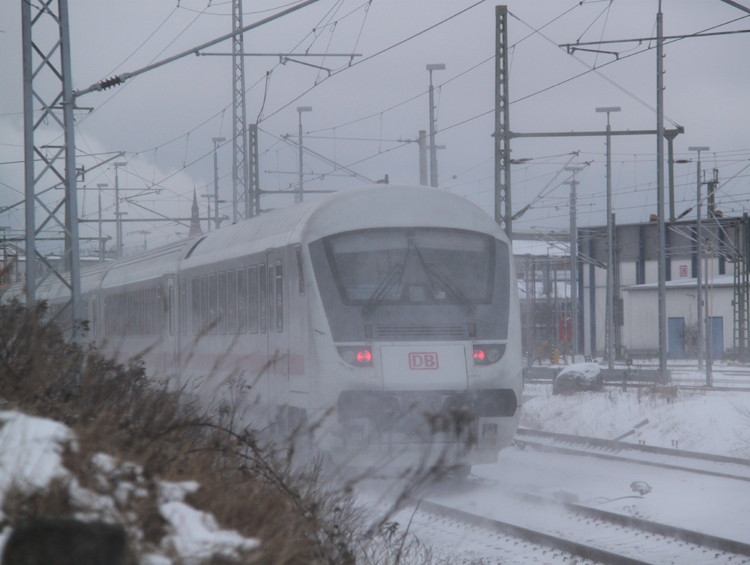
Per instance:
x=356, y=355
x=488, y=353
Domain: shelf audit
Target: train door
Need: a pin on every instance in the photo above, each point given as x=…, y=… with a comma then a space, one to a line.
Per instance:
x=169, y=331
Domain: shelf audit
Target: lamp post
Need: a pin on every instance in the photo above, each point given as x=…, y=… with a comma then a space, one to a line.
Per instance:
x=216, y=141
x=610, y=321
x=299, y=197
x=433, y=147
x=699, y=253
x=573, y=257
x=100, y=186
x=118, y=214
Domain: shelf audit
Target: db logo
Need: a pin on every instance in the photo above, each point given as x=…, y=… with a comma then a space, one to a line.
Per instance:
x=423, y=361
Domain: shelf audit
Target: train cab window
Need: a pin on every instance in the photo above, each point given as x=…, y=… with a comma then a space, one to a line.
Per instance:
x=242, y=300
x=222, y=303
x=252, y=304
x=279, y=298
x=300, y=272
x=262, y=298
x=196, y=292
x=232, y=302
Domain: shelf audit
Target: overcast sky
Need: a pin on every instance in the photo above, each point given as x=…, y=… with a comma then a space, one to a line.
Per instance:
x=164, y=120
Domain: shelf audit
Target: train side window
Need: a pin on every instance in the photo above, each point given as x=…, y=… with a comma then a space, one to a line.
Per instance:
x=223, y=303
x=151, y=310
x=279, y=298
x=242, y=300
x=300, y=272
x=271, y=300
x=196, y=291
x=183, y=306
x=252, y=308
x=170, y=311
x=213, y=310
x=159, y=300
x=204, y=304
x=232, y=302
x=262, y=297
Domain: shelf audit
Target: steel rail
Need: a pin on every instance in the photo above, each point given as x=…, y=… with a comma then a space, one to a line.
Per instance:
x=584, y=550
x=531, y=536
x=619, y=446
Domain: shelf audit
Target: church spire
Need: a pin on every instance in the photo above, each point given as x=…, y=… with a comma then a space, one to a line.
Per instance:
x=195, y=221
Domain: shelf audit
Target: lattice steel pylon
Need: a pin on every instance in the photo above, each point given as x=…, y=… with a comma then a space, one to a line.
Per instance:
x=242, y=199
x=48, y=103
x=503, y=211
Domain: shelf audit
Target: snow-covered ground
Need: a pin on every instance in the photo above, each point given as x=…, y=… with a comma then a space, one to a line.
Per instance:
x=709, y=421
x=697, y=420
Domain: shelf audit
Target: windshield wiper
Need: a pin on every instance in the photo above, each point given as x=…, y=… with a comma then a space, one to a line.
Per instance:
x=434, y=274
x=378, y=296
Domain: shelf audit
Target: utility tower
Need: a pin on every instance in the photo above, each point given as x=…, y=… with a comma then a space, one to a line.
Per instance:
x=503, y=210
x=48, y=102
x=242, y=199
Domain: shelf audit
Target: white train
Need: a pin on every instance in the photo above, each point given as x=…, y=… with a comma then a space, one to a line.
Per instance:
x=388, y=315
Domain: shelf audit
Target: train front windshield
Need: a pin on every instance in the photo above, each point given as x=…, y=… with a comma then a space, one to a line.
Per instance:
x=401, y=284
x=412, y=267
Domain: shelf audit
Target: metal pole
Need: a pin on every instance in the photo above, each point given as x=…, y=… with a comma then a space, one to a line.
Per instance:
x=709, y=336
x=28, y=133
x=503, y=207
x=529, y=317
x=118, y=215
x=610, y=315
x=433, y=146
x=671, y=134
x=660, y=191
x=574, y=257
x=422, y=143
x=300, y=195
x=72, y=247
x=100, y=186
x=699, y=256
x=216, y=141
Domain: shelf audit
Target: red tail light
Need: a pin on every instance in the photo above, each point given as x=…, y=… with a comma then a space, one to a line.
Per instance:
x=488, y=353
x=356, y=355
x=364, y=356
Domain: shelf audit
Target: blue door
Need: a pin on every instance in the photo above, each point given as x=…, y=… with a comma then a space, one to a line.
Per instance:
x=717, y=337
x=676, y=338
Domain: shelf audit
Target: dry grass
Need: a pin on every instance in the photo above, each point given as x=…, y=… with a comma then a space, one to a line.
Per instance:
x=116, y=409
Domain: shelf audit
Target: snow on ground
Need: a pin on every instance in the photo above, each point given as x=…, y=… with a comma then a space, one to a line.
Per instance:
x=708, y=421
x=31, y=458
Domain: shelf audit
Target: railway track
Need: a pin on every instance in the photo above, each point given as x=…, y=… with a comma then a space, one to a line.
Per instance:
x=553, y=532
x=667, y=458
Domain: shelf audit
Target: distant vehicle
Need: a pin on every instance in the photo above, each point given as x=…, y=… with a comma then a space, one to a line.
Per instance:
x=387, y=314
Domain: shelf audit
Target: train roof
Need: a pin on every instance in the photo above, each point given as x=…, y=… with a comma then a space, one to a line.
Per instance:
x=357, y=208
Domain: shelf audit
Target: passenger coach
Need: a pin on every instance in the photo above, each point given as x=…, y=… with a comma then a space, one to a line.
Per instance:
x=388, y=313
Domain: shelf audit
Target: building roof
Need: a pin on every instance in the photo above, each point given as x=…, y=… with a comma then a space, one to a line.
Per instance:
x=718, y=280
